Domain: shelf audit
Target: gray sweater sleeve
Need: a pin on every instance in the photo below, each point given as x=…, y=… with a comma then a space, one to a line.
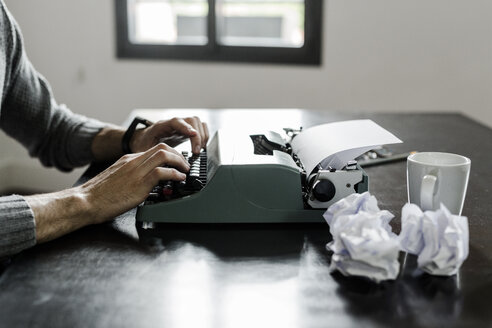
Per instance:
x=30, y=114
x=17, y=225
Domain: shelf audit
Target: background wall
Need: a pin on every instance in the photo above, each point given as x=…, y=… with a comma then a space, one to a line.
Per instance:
x=378, y=55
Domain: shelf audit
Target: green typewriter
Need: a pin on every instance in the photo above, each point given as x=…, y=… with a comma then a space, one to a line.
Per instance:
x=250, y=178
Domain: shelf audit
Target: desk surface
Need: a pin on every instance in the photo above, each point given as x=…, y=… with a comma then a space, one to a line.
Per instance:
x=106, y=276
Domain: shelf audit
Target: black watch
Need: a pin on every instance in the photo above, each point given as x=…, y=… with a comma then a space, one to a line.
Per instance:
x=125, y=142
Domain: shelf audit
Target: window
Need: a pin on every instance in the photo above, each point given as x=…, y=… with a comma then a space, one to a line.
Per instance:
x=274, y=31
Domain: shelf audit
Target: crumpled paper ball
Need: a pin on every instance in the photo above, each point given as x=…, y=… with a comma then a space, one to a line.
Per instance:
x=352, y=204
x=363, y=243
x=439, y=239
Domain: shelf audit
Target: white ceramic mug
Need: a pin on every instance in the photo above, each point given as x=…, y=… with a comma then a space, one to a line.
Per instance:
x=434, y=178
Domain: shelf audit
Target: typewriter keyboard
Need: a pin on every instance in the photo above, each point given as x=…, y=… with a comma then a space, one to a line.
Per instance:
x=196, y=179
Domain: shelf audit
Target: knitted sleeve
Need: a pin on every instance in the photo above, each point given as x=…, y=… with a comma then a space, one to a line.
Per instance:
x=30, y=114
x=17, y=225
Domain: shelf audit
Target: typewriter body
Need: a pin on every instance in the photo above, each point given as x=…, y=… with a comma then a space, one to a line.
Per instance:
x=250, y=178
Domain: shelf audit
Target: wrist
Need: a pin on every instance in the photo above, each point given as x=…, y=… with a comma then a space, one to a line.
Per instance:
x=128, y=140
x=107, y=144
x=82, y=205
x=59, y=213
x=134, y=141
x=91, y=204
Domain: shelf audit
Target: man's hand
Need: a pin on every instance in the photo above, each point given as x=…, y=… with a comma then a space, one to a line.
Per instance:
x=119, y=188
x=129, y=181
x=172, y=132
x=106, y=145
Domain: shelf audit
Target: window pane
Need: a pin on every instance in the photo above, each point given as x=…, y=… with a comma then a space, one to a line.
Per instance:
x=273, y=23
x=168, y=21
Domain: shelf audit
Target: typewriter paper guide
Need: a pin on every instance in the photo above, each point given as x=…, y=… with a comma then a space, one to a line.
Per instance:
x=334, y=144
x=236, y=148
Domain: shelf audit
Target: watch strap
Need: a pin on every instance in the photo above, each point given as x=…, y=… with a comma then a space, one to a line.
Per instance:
x=125, y=142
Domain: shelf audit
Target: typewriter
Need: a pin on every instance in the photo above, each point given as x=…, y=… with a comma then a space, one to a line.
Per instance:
x=250, y=178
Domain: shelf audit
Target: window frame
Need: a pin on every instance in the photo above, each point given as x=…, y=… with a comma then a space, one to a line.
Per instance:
x=308, y=54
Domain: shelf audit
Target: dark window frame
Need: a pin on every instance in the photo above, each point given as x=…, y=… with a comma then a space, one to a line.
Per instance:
x=308, y=54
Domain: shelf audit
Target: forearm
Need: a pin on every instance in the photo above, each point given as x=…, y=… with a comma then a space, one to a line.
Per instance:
x=106, y=145
x=31, y=115
x=59, y=213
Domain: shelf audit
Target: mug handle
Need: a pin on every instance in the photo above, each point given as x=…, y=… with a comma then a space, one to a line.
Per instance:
x=427, y=192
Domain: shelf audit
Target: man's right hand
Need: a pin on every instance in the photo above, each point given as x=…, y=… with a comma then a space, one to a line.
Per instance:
x=119, y=188
x=127, y=183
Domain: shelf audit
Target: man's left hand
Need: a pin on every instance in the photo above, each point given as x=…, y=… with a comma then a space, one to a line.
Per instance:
x=172, y=132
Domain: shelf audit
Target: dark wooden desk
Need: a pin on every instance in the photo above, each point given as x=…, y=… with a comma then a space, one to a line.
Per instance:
x=106, y=276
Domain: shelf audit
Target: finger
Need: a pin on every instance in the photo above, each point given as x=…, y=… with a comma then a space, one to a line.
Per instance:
x=201, y=131
x=206, y=134
x=197, y=124
x=196, y=141
x=182, y=126
x=162, y=157
x=143, y=157
x=171, y=149
x=171, y=130
x=165, y=147
x=162, y=174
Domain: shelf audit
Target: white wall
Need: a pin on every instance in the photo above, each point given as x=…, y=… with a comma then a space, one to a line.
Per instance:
x=378, y=55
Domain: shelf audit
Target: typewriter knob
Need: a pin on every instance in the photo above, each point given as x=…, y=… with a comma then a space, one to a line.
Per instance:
x=324, y=190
